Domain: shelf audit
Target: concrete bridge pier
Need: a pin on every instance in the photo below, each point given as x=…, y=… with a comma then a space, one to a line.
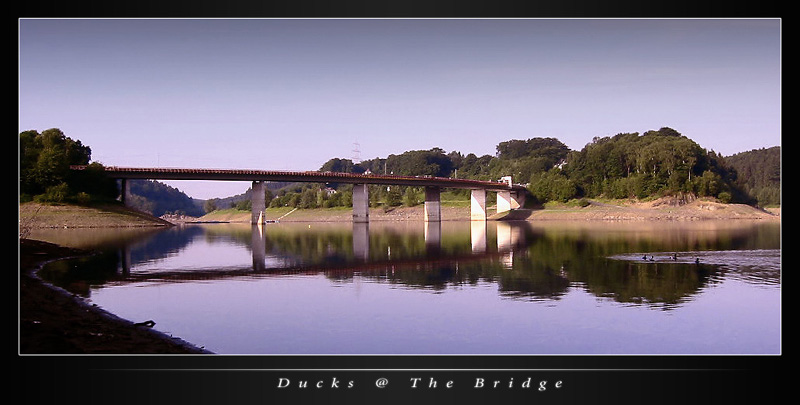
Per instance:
x=259, y=204
x=509, y=200
x=124, y=191
x=433, y=205
x=478, y=205
x=360, y=203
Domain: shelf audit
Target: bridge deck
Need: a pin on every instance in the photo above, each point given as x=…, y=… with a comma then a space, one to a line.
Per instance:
x=298, y=176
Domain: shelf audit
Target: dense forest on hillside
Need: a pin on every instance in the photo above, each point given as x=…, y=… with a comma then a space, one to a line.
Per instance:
x=759, y=175
x=242, y=201
x=627, y=165
x=44, y=174
x=630, y=165
x=158, y=199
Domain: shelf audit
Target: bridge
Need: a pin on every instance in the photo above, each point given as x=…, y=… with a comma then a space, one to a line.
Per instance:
x=509, y=195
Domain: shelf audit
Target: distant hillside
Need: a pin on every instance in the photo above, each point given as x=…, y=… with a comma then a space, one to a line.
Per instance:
x=759, y=174
x=235, y=200
x=158, y=198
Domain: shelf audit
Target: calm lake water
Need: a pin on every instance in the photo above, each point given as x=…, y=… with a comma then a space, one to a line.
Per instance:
x=450, y=288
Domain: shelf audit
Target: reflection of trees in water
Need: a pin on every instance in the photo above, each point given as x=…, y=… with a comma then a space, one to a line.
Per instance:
x=531, y=279
x=648, y=283
x=550, y=263
x=583, y=262
x=543, y=266
x=161, y=244
x=79, y=274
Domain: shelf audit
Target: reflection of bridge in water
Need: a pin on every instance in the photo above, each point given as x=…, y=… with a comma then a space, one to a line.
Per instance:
x=510, y=238
x=518, y=257
x=509, y=196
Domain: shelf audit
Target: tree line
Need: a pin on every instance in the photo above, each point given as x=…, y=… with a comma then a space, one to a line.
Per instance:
x=44, y=174
x=759, y=175
x=627, y=165
x=159, y=199
x=630, y=165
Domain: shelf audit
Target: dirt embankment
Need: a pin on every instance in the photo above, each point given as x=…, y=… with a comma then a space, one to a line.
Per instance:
x=663, y=209
x=34, y=215
x=338, y=214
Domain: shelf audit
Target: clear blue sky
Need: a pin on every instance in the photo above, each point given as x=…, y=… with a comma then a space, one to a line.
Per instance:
x=289, y=94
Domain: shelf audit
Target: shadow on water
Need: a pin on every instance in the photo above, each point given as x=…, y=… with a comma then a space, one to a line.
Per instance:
x=527, y=261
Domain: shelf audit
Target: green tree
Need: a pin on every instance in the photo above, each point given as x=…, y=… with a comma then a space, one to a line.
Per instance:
x=341, y=166
x=410, y=197
x=657, y=162
x=92, y=183
x=244, y=205
x=45, y=159
x=552, y=185
x=44, y=162
x=394, y=196
x=758, y=175
x=550, y=149
x=308, y=199
x=433, y=162
x=210, y=205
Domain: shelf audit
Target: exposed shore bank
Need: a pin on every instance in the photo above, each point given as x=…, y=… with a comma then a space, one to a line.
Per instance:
x=51, y=321
x=664, y=209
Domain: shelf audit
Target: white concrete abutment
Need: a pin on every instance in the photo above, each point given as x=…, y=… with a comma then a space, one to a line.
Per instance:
x=510, y=200
x=478, y=205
